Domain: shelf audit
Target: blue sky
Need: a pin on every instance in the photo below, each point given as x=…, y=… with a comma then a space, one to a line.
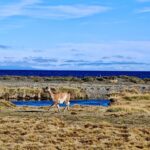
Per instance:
x=75, y=34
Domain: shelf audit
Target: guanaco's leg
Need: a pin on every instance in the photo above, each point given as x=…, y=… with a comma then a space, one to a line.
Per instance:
x=67, y=106
x=51, y=106
x=57, y=105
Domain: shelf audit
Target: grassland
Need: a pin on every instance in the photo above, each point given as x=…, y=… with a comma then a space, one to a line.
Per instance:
x=124, y=125
x=26, y=88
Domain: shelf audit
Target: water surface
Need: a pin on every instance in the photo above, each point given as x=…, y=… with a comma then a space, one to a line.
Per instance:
x=72, y=103
x=66, y=73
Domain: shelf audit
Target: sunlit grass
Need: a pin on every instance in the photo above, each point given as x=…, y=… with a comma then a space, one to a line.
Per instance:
x=123, y=125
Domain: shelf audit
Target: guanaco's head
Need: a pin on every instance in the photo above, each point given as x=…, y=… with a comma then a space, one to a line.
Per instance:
x=47, y=89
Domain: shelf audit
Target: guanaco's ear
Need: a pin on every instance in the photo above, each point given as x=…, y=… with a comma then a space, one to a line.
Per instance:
x=46, y=89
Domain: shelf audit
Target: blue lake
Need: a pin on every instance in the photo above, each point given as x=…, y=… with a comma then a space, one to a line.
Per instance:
x=104, y=103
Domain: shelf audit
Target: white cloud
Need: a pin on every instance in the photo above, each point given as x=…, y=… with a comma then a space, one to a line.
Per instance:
x=117, y=55
x=31, y=8
x=15, y=9
x=125, y=48
x=64, y=11
x=144, y=10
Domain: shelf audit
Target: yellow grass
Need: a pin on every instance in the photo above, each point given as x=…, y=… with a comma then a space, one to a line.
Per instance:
x=124, y=126
x=31, y=92
x=89, y=128
x=6, y=105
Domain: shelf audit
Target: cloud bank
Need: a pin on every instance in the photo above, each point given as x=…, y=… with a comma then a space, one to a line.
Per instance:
x=118, y=55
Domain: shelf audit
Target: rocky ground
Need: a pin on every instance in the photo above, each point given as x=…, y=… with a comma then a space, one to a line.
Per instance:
x=80, y=88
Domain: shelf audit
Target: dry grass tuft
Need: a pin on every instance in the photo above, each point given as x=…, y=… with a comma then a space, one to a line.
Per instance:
x=5, y=104
x=127, y=108
x=136, y=97
x=131, y=102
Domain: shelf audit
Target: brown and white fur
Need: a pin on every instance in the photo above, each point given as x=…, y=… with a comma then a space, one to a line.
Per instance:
x=59, y=98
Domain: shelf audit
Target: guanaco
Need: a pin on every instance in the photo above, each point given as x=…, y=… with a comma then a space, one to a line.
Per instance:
x=59, y=98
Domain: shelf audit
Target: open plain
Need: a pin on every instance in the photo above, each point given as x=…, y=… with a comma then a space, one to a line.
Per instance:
x=124, y=125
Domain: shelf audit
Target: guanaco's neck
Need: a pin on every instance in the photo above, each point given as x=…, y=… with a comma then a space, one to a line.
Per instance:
x=51, y=93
